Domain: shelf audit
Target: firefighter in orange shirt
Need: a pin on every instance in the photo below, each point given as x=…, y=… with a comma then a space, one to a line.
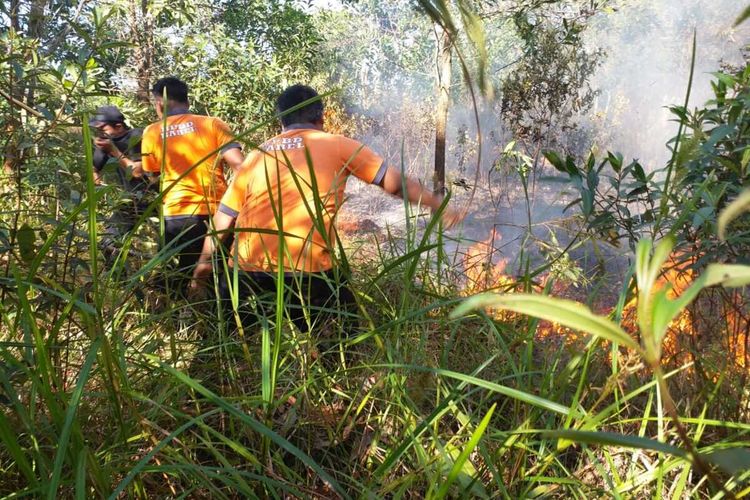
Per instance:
x=283, y=204
x=191, y=167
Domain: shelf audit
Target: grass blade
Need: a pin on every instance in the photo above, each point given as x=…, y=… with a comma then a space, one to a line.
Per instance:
x=564, y=312
x=614, y=439
x=464, y=456
x=253, y=424
x=739, y=206
x=62, y=445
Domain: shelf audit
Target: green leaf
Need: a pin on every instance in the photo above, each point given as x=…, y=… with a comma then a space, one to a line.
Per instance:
x=615, y=160
x=474, y=29
x=717, y=134
x=648, y=267
x=642, y=251
x=564, y=312
x=728, y=80
x=17, y=70
x=587, y=197
x=81, y=476
x=266, y=388
x=745, y=160
x=46, y=112
x=555, y=160
x=680, y=112
x=246, y=419
x=8, y=438
x=510, y=392
x=75, y=399
x=138, y=467
x=739, y=206
x=726, y=275
x=115, y=45
x=732, y=461
x=660, y=256
x=570, y=167
x=702, y=215
x=614, y=439
x=464, y=456
x=743, y=17
x=26, y=239
x=666, y=309
x=639, y=173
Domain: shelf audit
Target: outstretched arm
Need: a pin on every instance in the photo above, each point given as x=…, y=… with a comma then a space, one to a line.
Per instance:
x=412, y=190
x=221, y=224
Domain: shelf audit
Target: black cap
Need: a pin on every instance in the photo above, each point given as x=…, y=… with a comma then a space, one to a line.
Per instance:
x=106, y=114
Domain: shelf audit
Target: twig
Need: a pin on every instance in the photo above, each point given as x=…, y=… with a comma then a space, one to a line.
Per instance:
x=20, y=104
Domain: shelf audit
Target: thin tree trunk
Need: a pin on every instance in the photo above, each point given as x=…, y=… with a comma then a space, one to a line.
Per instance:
x=35, y=28
x=15, y=22
x=441, y=116
x=11, y=152
x=142, y=35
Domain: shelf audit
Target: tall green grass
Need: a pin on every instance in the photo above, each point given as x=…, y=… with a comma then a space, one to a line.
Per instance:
x=107, y=394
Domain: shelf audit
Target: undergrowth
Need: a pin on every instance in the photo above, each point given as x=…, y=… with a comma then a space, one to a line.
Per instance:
x=110, y=387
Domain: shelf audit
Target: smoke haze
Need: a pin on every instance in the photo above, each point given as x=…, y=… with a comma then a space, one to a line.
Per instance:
x=648, y=47
x=645, y=68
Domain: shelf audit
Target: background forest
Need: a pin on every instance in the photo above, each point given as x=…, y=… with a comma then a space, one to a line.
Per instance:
x=583, y=333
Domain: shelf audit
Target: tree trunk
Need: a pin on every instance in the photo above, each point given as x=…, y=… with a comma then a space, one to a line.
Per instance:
x=441, y=116
x=34, y=30
x=142, y=35
x=14, y=9
x=10, y=153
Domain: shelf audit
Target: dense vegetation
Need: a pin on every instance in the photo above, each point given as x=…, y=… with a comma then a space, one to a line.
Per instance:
x=108, y=388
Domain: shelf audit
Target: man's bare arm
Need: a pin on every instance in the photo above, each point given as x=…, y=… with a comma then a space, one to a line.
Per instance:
x=221, y=224
x=123, y=161
x=233, y=158
x=136, y=166
x=393, y=183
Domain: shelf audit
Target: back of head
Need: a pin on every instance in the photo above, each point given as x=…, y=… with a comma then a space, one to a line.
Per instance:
x=177, y=90
x=295, y=95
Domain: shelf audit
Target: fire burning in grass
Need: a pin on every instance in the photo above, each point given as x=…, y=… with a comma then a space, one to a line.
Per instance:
x=484, y=271
x=481, y=272
x=717, y=322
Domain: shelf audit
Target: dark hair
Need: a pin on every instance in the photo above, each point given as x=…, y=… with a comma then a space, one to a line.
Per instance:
x=177, y=90
x=297, y=94
x=109, y=115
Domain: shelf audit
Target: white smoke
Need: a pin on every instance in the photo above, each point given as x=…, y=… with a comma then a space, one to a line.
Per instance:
x=645, y=68
x=648, y=48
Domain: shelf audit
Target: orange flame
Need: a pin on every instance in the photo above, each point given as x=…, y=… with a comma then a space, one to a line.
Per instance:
x=483, y=274
x=715, y=320
x=485, y=271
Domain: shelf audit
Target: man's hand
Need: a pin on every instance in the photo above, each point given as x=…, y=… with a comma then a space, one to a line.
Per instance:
x=137, y=170
x=204, y=267
x=105, y=145
x=201, y=273
x=451, y=217
x=414, y=192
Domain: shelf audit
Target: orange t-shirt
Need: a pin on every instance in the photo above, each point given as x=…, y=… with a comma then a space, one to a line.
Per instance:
x=192, y=141
x=279, y=183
